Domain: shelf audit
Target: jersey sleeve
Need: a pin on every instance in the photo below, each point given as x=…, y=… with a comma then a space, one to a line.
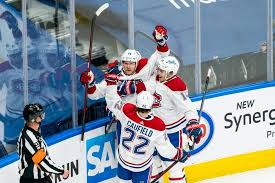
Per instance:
x=184, y=104
x=40, y=156
x=112, y=96
x=150, y=85
x=114, y=102
x=159, y=53
x=97, y=91
x=164, y=146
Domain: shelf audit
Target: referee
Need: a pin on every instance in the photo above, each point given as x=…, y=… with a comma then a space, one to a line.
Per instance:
x=35, y=165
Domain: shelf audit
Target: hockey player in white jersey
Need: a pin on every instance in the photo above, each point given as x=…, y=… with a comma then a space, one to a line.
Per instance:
x=141, y=134
x=173, y=105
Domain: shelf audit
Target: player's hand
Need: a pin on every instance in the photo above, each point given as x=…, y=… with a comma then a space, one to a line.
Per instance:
x=66, y=174
x=182, y=155
x=160, y=35
x=194, y=131
x=111, y=79
x=87, y=77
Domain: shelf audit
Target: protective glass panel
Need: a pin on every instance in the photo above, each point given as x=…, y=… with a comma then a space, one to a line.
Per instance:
x=178, y=18
x=233, y=37
x=49, y=63
x=108, y=42
x=11, y=74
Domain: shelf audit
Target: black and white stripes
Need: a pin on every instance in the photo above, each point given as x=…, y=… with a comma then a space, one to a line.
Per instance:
x=34, y=162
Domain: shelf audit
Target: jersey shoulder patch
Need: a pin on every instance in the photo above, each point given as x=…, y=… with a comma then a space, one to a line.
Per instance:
x=176, y=84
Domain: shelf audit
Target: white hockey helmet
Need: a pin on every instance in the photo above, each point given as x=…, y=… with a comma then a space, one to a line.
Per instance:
x=169, y=64
x=130, y=55
x=145, y=100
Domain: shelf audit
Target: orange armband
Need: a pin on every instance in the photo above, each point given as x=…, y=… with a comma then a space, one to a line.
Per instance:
x=38, y=156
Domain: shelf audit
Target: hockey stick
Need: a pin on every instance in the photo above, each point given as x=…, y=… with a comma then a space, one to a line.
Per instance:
x=199, y=126
x=191, y=147
x=175, y=162
x=97, y=13
x=108, y=126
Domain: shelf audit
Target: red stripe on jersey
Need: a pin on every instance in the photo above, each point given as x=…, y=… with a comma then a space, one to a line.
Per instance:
x=133, y=165
x=180, y=178
x=174, y=123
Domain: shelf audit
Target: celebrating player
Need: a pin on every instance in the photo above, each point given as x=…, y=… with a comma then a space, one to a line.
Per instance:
x=141, y=134
x=132, y=66
x=173, y=105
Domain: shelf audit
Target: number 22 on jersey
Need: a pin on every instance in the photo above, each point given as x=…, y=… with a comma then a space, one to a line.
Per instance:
x=134, y=143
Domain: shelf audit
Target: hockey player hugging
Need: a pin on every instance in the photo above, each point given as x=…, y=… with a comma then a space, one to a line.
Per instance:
x=153, y=112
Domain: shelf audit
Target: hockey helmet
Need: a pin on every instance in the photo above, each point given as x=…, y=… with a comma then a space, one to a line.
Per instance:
x=32, y=111
x=145, y=100
x=131, y=56
x=169, y=64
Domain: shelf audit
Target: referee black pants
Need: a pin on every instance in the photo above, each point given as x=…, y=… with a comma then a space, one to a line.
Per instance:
x=27, y=180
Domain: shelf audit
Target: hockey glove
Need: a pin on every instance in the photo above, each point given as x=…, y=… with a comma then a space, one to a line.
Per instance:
x=181, y=155
x=87, y=77
x=111, y=79
x=128, y=87
x=160, y=35
x=194, y=131
x=113, y=68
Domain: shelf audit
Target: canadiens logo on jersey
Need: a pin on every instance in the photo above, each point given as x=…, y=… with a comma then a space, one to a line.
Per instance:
x=157, y=100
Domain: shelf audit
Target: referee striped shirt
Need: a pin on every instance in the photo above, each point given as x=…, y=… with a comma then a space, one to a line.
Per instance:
x=34, y=162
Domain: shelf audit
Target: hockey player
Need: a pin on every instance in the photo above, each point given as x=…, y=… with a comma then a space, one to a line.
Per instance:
x=114, y=90
x=141, y=134
x=173, y=105
x=132, y=66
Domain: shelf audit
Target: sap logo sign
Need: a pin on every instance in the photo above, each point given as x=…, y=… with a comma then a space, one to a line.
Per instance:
x=101, y=161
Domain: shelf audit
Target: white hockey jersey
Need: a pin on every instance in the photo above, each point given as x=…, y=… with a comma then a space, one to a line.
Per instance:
x=173, y=105
x=139, y=139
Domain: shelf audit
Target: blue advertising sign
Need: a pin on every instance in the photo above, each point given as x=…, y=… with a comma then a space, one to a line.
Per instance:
x=101, y=162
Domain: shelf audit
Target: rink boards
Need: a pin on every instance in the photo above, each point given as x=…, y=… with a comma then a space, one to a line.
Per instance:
x=240, y=136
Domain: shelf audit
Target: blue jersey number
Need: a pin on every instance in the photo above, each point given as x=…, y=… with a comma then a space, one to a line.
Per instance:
x=132, y=135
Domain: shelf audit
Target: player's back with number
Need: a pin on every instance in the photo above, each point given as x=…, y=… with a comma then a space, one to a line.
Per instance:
x=139, y=138
x=141, y=134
